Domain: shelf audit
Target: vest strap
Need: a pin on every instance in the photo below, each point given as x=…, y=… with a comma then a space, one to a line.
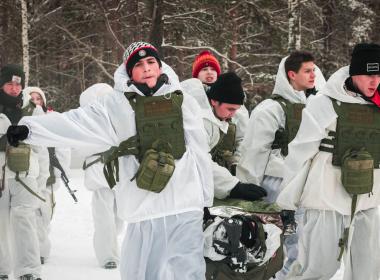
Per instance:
x=110, y=158
x=28, y=188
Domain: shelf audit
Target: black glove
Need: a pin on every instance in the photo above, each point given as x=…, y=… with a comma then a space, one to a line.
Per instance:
x=247, y=192
x=17, y=133
x=233, y=169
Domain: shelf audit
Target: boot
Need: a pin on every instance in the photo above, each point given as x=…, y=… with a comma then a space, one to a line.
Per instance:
x=4, y=277
x=290, y=225
x=42, y=260
x=110, y=265
x=29, y=277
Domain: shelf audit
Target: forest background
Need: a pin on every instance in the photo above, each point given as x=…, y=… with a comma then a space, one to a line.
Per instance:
x=68, y=45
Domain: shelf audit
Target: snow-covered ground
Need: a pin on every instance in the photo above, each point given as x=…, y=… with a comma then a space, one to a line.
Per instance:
x=72, y=255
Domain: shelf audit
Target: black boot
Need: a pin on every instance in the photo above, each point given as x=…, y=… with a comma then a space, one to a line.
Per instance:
x=290, y=225
x=110, y=265
x=29, y=277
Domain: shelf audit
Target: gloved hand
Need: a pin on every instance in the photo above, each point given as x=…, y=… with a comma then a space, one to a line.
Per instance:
x=247, y=191
x=233, y=169
x=17, y=133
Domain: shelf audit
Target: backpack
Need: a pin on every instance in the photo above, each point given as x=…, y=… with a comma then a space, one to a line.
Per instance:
x=241, y=238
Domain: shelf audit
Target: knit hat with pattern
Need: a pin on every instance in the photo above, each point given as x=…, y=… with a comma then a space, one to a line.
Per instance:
x=137, y=51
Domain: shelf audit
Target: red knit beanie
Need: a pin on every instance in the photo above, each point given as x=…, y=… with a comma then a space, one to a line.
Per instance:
x=204, y=59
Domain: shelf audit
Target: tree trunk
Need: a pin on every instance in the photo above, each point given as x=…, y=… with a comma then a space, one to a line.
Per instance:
x=234, y=41
x=4, y=18
x=24, y=40
x=157, y=29
x=294, y=35
x=327, y=25
x=133, y=5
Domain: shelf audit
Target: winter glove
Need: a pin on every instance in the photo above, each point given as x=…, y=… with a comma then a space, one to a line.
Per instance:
x=17, y=133
x=247, y=191
x=233, y=169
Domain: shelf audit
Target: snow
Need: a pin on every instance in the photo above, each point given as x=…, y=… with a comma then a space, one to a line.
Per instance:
x=72, y=255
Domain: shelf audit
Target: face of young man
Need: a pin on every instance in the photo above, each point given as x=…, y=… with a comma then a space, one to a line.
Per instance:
x=224, y=111
x=305, y=77
x=207, y=75
x=146, y=71
x=12, y=88
x=36, y=98
x=367, y=84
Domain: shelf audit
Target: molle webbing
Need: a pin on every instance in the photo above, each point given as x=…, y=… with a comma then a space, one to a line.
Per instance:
x=293, y=115
x=159, y=117
x=226, y=145
x=358, y=126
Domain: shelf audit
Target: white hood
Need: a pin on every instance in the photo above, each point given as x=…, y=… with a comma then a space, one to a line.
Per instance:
x=28, y=90
x=283, y=88
x=194, y=87
x=121, y=80
x=335, y=88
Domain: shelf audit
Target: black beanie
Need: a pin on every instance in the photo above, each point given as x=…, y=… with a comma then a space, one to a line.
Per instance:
x=12, y=73
x=227, y=89
x=365, y=59
x=137, y=51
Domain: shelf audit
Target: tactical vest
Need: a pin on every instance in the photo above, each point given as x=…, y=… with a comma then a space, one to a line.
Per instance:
x=159, y=141
x=223, y=152
x=358, y=126
x=355, y=148
x=293, y=115
x=159, y=117
x=26, y=111
x=18, y=158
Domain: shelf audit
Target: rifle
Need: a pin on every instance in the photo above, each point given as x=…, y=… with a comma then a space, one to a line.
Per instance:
x=55, y=163
x=2, y=183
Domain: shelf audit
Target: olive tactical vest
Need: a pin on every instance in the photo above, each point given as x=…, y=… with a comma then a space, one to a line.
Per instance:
x=158, y=120
x=293, y=115
x=355, y=148
x=18, y=158
x=26, y=111
x=358, y=126
x=224, y=150
x=159, y=117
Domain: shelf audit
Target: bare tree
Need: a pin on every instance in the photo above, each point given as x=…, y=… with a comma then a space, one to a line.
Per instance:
x=294, y=35
x=362, y=24
x=25, y=40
